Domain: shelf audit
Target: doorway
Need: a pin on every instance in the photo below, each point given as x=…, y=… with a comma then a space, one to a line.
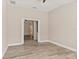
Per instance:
x=30, y=29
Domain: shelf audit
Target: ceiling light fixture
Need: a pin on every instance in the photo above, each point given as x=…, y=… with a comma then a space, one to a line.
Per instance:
x=38, y=4
x=40, y=1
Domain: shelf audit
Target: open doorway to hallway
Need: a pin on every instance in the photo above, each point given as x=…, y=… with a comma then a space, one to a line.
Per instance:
x=30, y=30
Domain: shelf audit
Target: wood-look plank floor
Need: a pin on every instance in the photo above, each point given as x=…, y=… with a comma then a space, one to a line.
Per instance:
x=33, y=50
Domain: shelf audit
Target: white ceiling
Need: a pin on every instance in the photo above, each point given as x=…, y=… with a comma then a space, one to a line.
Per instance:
x=38, y=5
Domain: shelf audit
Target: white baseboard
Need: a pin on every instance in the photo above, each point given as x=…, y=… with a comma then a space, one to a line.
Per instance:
x=4, y=52
x=43, y=41
x=15, y=44
x=59, y=44
x=64, y=46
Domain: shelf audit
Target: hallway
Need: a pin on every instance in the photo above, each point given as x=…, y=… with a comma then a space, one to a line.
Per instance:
x=33, y=50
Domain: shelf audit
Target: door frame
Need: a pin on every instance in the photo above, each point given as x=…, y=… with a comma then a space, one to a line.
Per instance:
x=22, y=30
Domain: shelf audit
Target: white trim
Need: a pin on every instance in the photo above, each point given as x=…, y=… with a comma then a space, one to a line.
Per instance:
x=59, y=44
x=43, y=41
x=15, y=44
x=35, y=19
x=64, y=46
x=4, y=52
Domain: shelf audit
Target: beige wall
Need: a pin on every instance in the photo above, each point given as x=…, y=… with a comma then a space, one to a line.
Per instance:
x=4, y=27
x=62, y=25
x=15, y=16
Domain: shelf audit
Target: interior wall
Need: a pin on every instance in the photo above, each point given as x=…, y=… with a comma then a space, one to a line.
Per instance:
x=4, y=27
x=63, y=25
x=15, y=16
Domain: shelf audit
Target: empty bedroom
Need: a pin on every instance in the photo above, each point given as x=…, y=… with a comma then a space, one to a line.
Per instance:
x=39, y=29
